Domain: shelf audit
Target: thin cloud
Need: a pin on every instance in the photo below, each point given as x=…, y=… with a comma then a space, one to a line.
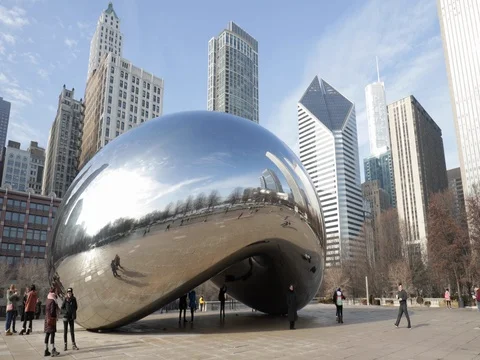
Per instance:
x=18, y=96
x=14, y=17
x=32, y=58
x=8, y=38
x=71, y=43
x=43, y=73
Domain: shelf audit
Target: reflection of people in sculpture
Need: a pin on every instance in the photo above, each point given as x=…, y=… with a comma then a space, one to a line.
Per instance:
x=201, y=301
x=239, y=216
x=117, y=262
x=221, y=298
x=192, y=298
x=182, y=306
x=168, y=227
x=292, y=307
x=114, y=268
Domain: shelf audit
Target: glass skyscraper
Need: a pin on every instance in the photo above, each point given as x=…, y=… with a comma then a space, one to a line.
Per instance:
x=380, y=168
x=233, y=73
x=329, y=152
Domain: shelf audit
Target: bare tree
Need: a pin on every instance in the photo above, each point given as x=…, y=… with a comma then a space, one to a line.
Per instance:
x=32, y=273
x=473, y=218
x=7, y=272
x=399, y=273
x=178, y=208
x=167, y=211
x=188, y=206
x=200, y=201
x=235, y=196
x=213, y=199
x=247, y=193
x=334, y=278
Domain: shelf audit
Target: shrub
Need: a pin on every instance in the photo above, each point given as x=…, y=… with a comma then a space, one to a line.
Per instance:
x=376, y=302
x=419, y=300
x=389, y=302
x=427, y=303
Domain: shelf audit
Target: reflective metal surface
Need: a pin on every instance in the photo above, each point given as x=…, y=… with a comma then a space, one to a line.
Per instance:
x=182, y=199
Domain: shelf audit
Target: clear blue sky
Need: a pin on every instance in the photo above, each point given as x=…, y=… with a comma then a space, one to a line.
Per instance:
x=45, y=44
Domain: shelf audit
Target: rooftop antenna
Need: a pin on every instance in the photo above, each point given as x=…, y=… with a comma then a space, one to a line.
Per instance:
x=378, y=71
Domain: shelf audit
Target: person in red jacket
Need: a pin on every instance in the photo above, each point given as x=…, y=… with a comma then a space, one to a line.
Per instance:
x=30, y=306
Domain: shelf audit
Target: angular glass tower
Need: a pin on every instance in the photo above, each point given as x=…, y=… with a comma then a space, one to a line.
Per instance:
x=380, y=168
x=329, y=151
x=233, y=73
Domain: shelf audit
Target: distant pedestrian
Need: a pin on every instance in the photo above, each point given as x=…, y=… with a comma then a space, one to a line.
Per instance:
x=117, y=262
x=51, y=315
x=38, y=309
x=292, y=307
x=192, y=300
x=448, y=300
x=477, y=297
x=338, y=298
x=222, y=298
x=12, y=298
x=402, y=298
x=69, y=308
x=30, y=306
x=201, y=301
x=182, y=306
x=114, y=268
x=24, y=301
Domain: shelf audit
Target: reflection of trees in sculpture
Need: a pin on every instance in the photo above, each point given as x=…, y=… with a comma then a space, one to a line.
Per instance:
x=166, y=212
x=178, y=208
x=235, y=196
x=188, y=206
x=200, y=201
x=213, y=199
x=246, y=194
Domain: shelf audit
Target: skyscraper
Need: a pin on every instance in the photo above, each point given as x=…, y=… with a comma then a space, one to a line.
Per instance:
x=269, y=180
x=37, y=166
x=4, y=119
x=233, y=73
x=380, y=168
x=461, y=35
x=64, y=142
x=419, y=163
x=118, y=95
x=329, y=152
x=16, y=168
x=455, y=185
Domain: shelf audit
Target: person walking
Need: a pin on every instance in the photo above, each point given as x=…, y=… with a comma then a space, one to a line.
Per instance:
x=448, y=300
x=477, y=297
x=402, y=298
x=113, y=265
x=38, y=309
x=69, y=308
x=182, y=306
x=338, y=298
x=30, y=305
x=201, y=301
x=192, y=299
x=50, y=327
x=222, y=298
x=24, y=301
x=12, y=298
x=292, y=307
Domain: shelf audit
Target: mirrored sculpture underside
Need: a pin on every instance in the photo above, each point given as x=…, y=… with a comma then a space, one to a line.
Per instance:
x=183, y=199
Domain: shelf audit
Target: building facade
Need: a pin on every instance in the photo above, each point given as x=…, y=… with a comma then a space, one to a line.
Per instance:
x=107, y=39
x=380, y=168
x=64, y=142
x=37, y=167
x=376, y=107
x=4, y=120
x=269, y=180
x=455, y=185
x=460, y=28
x=329, y=152
x=16, y=168
x=118, y=95
x=25, y=223
x=419, y=165
x=233, y=73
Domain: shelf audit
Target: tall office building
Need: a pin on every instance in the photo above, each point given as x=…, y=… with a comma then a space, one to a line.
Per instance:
x=107, y=39
x=4, y=119
x=118, y=95
x=377, y=198
x=380, y=168
x=329, y=152
x=233, y=73
x=16, y=169
x=459, y=23
x=64, y=143
x=37, y=166
x=455, y=185
x=419, y=163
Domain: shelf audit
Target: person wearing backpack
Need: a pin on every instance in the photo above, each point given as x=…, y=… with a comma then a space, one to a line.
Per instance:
x=69, y=308
x=338, y=298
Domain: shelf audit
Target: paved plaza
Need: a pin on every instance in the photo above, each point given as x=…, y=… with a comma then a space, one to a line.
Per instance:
x=368, y=333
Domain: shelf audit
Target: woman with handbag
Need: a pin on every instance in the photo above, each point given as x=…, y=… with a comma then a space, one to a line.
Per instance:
x=12, y=298
x=51, y=315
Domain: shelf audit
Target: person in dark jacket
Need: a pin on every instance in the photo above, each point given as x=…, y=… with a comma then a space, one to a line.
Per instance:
x=192, y=299
x=51, y=315
x=338, y=301
x=69, y=308
x=24, y=301
x=30, y=305
x=402, y=298
x=38, y=309
x=222, y=298
x=182, y=305
x=292, y=307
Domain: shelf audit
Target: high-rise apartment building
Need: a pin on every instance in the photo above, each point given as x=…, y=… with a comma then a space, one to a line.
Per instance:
x=4, y=119
x=455, y=185
x=233, y=73
x=118, y=95
x=378, y=198
x=329, y=152
x=419, y=165
x=37, y=166
x=64, y=143
x=460, y=28
x=107, y=39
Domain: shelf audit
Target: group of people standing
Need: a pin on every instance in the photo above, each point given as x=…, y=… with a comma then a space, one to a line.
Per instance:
x=192, y=304
x=69, y=308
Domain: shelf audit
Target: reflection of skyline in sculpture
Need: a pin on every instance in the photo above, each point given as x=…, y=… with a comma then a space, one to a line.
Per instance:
x=269, y=180
x=204, y=204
